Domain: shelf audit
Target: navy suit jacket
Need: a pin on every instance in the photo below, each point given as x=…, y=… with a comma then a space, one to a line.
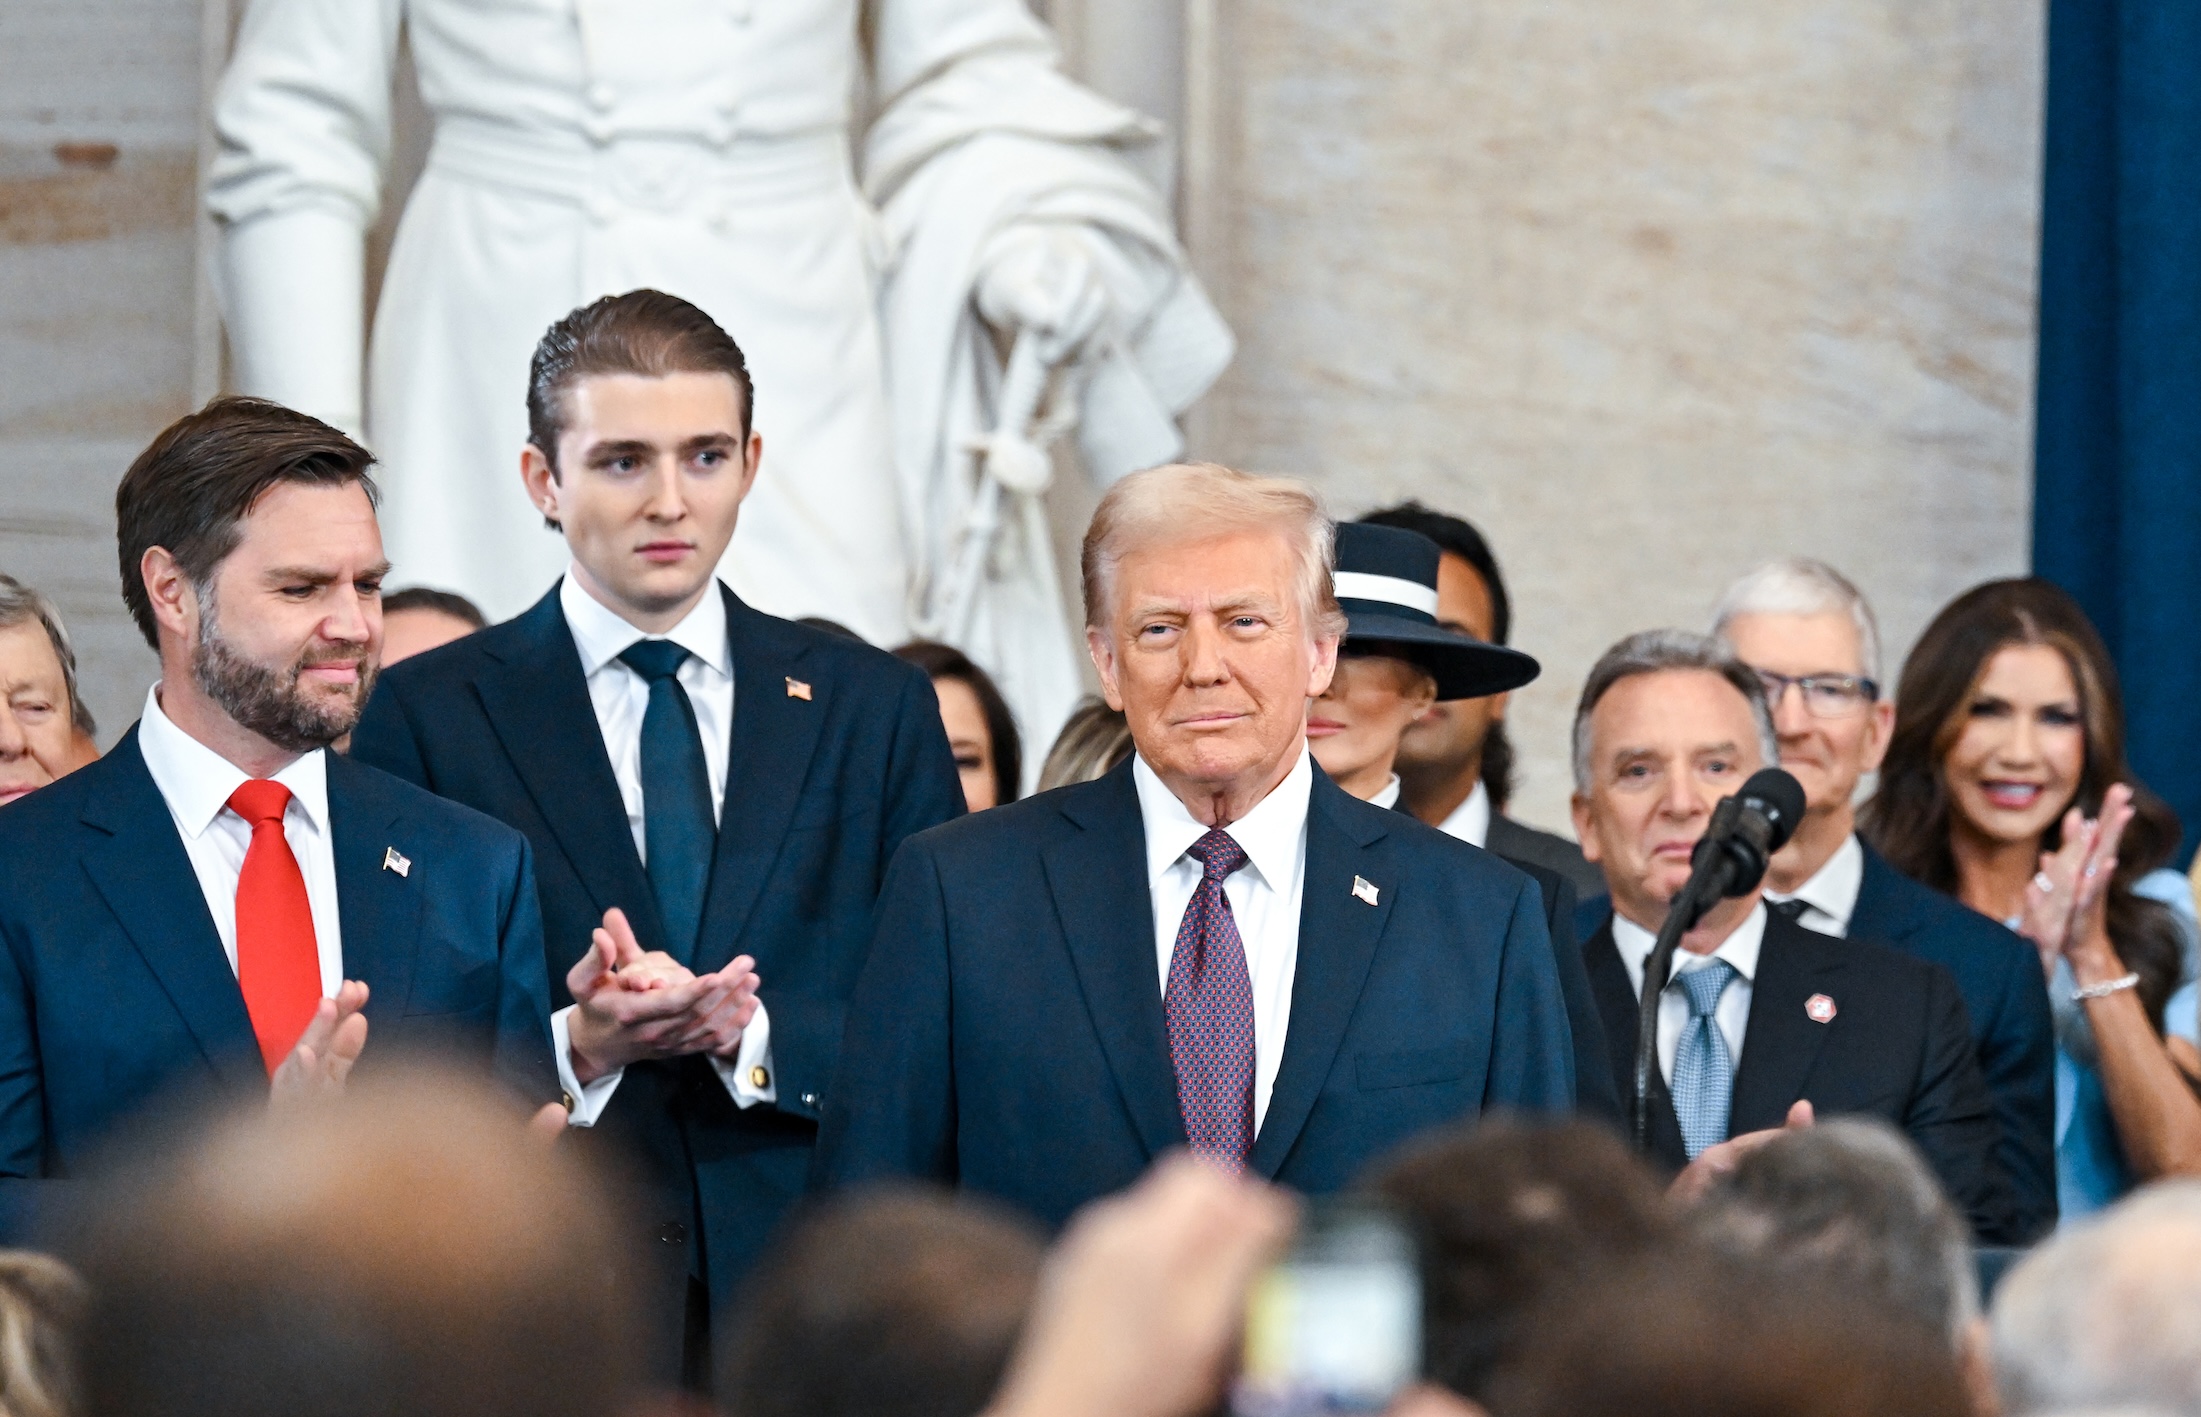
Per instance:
x=115, y=991
x=1898, y=1047
x=1008, y=1034
x=820, y=790
x=2006, y=996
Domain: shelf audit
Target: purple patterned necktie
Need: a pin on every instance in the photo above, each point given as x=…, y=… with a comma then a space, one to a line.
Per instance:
x=1209, y=1004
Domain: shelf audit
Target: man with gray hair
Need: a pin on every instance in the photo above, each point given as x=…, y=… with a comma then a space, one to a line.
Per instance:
x=1213, y=945
x=1762, y=1022
x=1812, y=638
x=45, y=729
x=2103, y=1317
x=1854, y=1203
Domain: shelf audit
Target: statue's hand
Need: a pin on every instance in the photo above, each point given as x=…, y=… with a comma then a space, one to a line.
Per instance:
x=1039, y=278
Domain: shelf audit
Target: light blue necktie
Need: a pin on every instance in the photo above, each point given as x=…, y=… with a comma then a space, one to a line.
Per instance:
x=1704, y=1071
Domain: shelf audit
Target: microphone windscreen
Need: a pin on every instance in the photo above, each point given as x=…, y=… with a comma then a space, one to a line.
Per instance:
x=1781, y=797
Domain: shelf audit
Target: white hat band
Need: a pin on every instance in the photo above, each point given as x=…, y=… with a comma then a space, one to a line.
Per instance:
x=1392, y=590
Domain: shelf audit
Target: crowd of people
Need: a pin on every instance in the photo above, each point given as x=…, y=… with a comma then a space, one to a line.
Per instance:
x=649, y=1001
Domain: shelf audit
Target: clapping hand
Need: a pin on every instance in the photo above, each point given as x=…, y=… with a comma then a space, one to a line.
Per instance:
x=2066, y=903
x=631, y=1005
x=323, y=1056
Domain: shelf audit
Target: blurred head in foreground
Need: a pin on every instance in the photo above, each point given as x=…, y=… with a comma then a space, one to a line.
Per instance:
x=2107, y=1315
x=406, y=1249
x=1506, y=1213
x=41, y=1304
x=1691, y=1335
x=882, y=1304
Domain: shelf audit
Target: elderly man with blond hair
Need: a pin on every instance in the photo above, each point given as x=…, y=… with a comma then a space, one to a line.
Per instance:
x=1212, y=946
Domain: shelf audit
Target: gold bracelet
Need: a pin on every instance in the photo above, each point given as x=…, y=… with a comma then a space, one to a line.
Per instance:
x=2104, y=990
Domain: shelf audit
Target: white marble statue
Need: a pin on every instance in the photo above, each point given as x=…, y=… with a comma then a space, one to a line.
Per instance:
x=865, y=193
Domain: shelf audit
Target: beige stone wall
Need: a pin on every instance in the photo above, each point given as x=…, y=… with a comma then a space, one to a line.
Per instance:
x=99, y=312
x=1650, y=290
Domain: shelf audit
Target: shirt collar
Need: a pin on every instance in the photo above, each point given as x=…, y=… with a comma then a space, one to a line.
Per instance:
x=1470, y=821
x=601, y=633
x=1387, y=796
x=1832, y=889
x=196, y=781
x=1739, y=949
x=1273, y=835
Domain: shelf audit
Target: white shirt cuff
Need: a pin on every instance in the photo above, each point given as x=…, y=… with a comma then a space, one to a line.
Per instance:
x=587, y=1100
x=748, y=1074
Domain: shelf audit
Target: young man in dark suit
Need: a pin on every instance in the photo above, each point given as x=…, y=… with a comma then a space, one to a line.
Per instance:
x=1455, y=763
x=1760, y=1016
x=721, y=789
x=1212, y=945
x=1813, y=639
x=220, y=904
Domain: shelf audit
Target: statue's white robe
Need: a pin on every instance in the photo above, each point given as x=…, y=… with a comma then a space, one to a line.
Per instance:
x=820, y=176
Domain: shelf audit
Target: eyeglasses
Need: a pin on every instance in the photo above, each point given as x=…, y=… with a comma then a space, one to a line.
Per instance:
x=1825, y=695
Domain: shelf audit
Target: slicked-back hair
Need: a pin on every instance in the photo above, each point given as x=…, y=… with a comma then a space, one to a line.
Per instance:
x=193, y=486
x=645, y=332
x=442, y=602
x=1653, y=652
x=1183, y=503
x=21, y=605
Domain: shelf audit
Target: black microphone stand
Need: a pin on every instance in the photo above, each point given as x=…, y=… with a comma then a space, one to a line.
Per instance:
x=1706, y=887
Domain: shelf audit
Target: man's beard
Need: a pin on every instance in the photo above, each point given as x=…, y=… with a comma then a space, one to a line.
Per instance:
x=270, y=702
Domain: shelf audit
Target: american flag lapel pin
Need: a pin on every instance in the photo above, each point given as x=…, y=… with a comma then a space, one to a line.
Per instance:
x=1820, y=1009
x=1364, y=890
x=395, y=860
x=797, y=689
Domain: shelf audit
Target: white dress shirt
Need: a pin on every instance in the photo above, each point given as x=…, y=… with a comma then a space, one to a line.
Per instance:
x=1264, y=897
x=1830, y=896
x=1387, y=796
x=1732, y=1017
x=620, y=697
x=195, y=782
x=1470, y=821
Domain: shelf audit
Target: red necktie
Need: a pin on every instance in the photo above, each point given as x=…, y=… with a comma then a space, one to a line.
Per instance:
x=278, y=959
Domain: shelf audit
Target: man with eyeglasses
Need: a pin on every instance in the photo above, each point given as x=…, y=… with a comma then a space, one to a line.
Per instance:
x=1813, y=640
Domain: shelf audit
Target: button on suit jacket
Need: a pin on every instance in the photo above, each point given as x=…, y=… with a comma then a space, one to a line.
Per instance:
x=819, y=792
x=1898, y=1047
x=115, y=992
x=1008, y=1033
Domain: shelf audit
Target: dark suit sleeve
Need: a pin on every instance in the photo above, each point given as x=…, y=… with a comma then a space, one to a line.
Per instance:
x=383, y=737
x=921, y=790
x=892, y=1113
x=22, y=1102
x=523, y=1061
x=2017, y=1054
x=1593, y=1083
x=1952, y=1120
x=1532, y=1050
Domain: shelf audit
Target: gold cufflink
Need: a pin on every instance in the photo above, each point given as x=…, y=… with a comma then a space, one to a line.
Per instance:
x=759, y=1078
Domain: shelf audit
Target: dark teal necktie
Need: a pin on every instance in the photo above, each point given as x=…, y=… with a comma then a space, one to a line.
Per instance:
x=679, y=833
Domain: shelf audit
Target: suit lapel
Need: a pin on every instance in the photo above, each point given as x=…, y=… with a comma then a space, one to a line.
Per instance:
x=1338, y=933
x=380, y=907
x=1880, y=913
x=1782, y=1040
x=143, y=873
x=1098, y=879
x=538, y=705
x=1617, y=1005
x=775, y=734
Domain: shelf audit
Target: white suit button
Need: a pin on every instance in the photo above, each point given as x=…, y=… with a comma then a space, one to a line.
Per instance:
x=597, y=127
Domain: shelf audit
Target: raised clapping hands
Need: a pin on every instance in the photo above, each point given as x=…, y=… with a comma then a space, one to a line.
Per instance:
x=2066, y=905
x=324, y=1054
x=631, y=1005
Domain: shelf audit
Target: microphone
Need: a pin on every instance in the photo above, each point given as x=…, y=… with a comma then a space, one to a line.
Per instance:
x=1729, y=860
